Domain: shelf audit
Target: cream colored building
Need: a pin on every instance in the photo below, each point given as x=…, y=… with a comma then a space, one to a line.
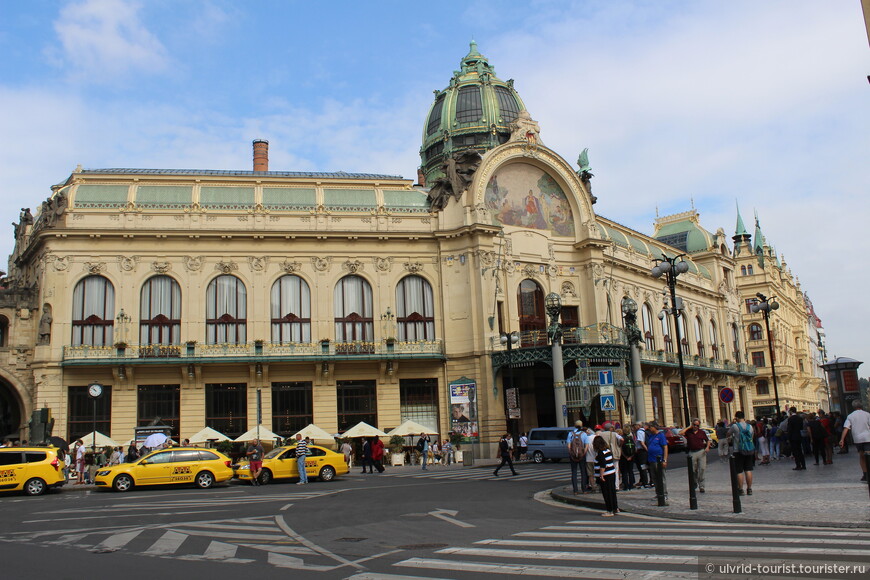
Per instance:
x=334, y=298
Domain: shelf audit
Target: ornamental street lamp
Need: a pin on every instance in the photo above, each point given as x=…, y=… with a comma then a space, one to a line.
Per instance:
x=553, y=304
x=765, y=305
x=629, y=317
x=672, y=268
x=509, y=340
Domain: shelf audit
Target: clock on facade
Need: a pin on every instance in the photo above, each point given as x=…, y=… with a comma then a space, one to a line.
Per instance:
x=95, y=390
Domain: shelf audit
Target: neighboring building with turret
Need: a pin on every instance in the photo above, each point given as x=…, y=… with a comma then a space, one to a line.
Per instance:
x=335, y=298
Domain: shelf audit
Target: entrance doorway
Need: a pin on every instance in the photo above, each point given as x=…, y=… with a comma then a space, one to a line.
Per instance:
x=10, y=412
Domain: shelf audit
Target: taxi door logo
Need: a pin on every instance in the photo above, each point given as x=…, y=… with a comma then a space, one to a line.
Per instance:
x=7, y=474
x=181, y=470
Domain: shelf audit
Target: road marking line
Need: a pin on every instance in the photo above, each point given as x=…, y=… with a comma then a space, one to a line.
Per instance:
x=168, y=543
x=376, y=576
x=280, y=549
x=220, y=551
x=117, y=541
x=296, y=563
x=752, y=548
x=229, y=535
x=240, y=527
x=323, y=551
x=561, y=555
x=727, y=530
x=543, y=571
x=79, y=518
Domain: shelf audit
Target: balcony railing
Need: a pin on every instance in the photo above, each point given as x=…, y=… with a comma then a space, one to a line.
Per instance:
x=698, y=362
x=594, y=334
x=257, y=349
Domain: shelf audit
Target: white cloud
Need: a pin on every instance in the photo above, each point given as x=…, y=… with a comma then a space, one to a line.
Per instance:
x=101, y=39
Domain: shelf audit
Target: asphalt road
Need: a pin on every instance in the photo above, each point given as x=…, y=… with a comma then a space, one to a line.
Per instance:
x=452, y=522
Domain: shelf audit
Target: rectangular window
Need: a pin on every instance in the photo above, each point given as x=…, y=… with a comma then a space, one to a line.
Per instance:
x=693, y=402
x=749, y=302
x=159, y=405
x=226, y=408
x=758, y=358
x=418, y=400
x=357, y=401
x=708, y=404
x=80, y=413
x=469, y=108
x=658, y=402
x=292, y=407
x=676, y=404
x=570, y=317
x=761, y=387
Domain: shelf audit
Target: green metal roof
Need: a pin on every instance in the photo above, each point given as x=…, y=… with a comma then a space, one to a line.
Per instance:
x=348, y=199
x=227, y=197
x=413, y=200
x=164, y=196
x=291, y=198
x=686, y=236
x=107, y=196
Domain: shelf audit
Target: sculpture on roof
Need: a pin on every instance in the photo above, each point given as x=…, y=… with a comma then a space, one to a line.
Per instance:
x=52, y=209
x=526, y=129
x=458, y=170
x=585, y=174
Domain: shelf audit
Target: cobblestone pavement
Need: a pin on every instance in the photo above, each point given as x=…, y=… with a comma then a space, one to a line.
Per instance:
x=823, y=495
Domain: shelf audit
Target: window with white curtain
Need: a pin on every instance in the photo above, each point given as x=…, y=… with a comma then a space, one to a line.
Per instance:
x=352, y=304
x=684, y=337
x=291, y=310
x=415, y=309
x=699, y=334
x=735, y=342
x=714, y=339
x=666, y=333
x=160, y=311
x=93, y=315
x=648, y=337
x=226, y=311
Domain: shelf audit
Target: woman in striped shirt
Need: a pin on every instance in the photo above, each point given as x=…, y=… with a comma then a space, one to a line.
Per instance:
x=606, y=475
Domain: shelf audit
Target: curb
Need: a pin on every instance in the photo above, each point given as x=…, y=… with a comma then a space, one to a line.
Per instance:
x=563, y=495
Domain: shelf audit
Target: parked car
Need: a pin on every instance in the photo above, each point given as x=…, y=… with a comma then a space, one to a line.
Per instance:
x=711, y=434
x=548, y=443
x=201, y=467
x=280, y=463
x=676, y=442
x=32, y=470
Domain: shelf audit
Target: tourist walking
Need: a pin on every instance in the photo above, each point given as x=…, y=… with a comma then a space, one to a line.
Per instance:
x=743, y=442
x=698, y=444
x=505, y=452
x=377, y=447
x=794, y=428
x=301, y=456
x=423, y=448
x=640, y=455
x=858, y=424
x=626, y=460
x=254, y=454
x=606, y=471
x=657, y=457
x=577, y=456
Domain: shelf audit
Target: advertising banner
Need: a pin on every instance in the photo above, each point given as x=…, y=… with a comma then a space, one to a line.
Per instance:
x=463, y=407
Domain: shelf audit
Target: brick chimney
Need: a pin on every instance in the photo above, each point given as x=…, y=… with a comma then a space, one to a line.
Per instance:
x=261, y=155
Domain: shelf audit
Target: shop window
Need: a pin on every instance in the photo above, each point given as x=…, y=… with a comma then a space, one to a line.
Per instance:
x=418, y=401
x=159, y=403
x=292, y=407
x=357, y=401
x=226, y=408
x=80, y=413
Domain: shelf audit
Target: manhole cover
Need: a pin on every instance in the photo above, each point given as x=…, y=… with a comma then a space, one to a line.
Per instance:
x=351, y=539
x=422, y=546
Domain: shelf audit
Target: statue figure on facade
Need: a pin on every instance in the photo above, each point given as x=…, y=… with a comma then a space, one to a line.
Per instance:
x=45, y=325
x=585, y=174
x=525, y=129
x=458, y=170
x=52, y=209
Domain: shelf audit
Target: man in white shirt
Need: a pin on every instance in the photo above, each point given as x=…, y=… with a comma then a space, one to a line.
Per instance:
x=858, y=423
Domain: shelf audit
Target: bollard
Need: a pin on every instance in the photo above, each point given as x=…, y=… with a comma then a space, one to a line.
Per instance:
x=735, y=487
x=657, y=468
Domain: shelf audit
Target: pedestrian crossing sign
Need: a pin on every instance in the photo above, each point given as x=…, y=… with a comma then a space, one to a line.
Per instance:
x=608, y=402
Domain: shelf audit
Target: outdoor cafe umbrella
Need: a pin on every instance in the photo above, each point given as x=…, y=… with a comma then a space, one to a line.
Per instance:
x=258, y=432
x=363, y=429
x=314, y=433
x=100, y=441
x=59, y=442
x=411, y=428
x=208, y=434
x=155, y=440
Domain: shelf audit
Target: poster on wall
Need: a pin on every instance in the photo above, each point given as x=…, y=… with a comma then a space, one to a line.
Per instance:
x=463, y=408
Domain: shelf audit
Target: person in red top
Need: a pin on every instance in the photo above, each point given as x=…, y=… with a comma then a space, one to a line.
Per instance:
x=698, y=444
x=828, y=425
x=378, y=454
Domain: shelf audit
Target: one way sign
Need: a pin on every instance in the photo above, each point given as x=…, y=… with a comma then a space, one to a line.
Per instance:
x=608, y=402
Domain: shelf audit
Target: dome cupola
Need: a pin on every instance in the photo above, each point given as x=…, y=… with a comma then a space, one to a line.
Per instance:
x=474, y=112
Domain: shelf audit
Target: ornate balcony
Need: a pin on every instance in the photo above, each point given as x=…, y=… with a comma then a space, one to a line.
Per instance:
x=697, y=363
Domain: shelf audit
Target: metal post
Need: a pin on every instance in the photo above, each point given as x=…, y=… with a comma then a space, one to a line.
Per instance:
x=553, y=304
x=94, y=439
x=735, y=486
x=772, y=359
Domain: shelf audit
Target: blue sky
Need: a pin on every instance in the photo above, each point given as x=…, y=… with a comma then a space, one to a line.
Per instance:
x=679, y=102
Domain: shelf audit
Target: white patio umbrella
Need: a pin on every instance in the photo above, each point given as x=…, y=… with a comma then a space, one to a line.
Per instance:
x=208, y=434
x=155, y=440
x=411, y=428
x=101, y=440
x=363, y=429
x=259, y=431
x=315, y=433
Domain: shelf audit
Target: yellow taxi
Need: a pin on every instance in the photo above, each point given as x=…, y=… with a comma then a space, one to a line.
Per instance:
x=711, y=435
x=280, y=463
x=32, y=470
x=176, y=465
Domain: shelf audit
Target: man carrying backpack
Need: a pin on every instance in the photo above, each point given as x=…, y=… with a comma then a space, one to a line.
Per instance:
x=742, y=439
x=577, y=456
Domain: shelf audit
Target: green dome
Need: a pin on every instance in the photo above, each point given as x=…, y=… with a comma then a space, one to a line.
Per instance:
x=474, y=112
x=684, y=232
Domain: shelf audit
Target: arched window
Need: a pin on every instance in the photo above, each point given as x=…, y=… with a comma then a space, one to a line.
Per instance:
x=666, y=333
x=160, y=311
x=352, y=303
x=684, y=338
x=291, y=310
x=415, y=309
x=226, y=311
x=714, y=339
x=735, y=340
x=749, y=269
x=755, y=332
x=530, y=299
x=742, y=270
x=93, y=315
x=646, y=317
x=699, y=334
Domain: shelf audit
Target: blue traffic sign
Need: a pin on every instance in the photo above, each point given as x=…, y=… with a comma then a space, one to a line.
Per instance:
x=605, y=377
x=564, y=410
x=608, y=402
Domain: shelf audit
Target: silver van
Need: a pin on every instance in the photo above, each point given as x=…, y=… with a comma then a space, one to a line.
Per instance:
x=548, y=443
